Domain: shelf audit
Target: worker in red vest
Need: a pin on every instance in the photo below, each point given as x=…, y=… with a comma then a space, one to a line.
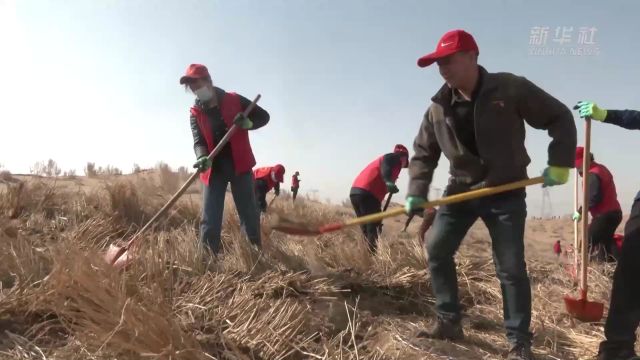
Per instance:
x=371, y=186
x=623, y=318
x=212, y=114
x=267, y=178
x=295, y=185
x=557, y=248
x=603, y=207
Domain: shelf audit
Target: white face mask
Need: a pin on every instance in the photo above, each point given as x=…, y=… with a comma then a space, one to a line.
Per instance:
x=273, y=176
x=204, y=94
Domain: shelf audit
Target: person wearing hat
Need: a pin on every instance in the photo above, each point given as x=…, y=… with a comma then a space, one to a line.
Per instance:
x=623, y=318
x=477, y=120
x=295, y=185
x=372, y=184
x=267, y=178
x=604, y=207
x=212, y=115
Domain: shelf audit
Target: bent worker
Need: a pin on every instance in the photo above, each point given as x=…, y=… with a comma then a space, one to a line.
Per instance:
x=372, y=184
x=267, y=178
x=212, y=115
x=623, y=317
x=604, y=207
x=295, y=185
x=557, y=249
x=477, y=120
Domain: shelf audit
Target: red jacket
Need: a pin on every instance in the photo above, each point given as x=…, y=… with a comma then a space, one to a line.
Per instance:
x=370, y=179
x=243, y=159
x=295, y=183
x=556, y=248
x=264, y=173
x=609, y=200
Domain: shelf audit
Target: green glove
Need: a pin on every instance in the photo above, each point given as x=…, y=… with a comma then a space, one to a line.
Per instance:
x=590, y=109
x=412, y=205
x=203, y=163
x=576, y=216
x=392, y=188
x=555, y=175
x=243, y=122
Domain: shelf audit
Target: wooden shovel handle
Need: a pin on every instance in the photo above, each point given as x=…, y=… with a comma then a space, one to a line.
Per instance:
x=470, y=195
x=586, y=164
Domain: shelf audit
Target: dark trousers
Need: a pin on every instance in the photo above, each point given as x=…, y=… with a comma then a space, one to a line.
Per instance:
x=602, y=229
x=365, y=203
x=294, y=192
x=213, y=205
x=261, y=195
x=624, y=309
x=504, y=215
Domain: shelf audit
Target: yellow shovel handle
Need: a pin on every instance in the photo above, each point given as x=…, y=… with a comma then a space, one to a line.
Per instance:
x=469, y=195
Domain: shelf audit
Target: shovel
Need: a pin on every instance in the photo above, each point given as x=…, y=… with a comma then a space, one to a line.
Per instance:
x=386, y=205
x=582, y=309
x=120, y=256
x=291, y=227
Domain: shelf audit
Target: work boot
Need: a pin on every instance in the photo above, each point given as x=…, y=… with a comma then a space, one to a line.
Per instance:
x=444, y=330
x=520, y=351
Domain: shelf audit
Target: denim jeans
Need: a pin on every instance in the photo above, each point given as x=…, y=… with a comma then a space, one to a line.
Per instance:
x=624, y=309
x=504, y=215
x=213, y=205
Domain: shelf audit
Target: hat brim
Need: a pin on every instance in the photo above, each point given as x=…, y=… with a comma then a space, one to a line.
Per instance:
x=435, y=56
x=186, y=79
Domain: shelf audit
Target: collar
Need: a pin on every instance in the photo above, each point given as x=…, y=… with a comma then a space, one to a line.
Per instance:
x=445, y=94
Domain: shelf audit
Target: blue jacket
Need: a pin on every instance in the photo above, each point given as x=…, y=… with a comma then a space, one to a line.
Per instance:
x=628, y=119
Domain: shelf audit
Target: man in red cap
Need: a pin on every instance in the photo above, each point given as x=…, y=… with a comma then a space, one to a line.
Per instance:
x=212, y=114
x=372, y=184
x=295, y=185
x=477, y=119
x=623, y=317
x=267, y=178
x=604, y=207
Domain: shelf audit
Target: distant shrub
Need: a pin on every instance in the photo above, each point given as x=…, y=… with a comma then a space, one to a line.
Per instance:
x=5, y=175
x=136, y=169
x=90, y=170
x=71, y=174
x=109, y=170
x=169, y=180
x=49, y=168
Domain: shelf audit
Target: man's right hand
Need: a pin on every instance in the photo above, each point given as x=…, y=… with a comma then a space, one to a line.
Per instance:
x=413, y=205
x=590, y=109
x=203, y=163
x=576, y=216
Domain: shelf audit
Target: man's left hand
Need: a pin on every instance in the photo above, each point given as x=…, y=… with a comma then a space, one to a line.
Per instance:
x=555, y=175
x=243, y=122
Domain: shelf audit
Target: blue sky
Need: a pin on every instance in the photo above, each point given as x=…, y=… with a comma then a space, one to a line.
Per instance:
x=98, y=80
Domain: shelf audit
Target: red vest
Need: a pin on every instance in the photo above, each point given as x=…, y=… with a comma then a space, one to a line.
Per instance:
x=370, y=179
x=243, y=159
x=609, y=200
x=264, y=173
x=295, y=183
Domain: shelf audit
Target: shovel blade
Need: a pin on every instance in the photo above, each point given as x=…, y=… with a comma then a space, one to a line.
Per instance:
x=583, y=310
x=117, y=258
x=289, y=226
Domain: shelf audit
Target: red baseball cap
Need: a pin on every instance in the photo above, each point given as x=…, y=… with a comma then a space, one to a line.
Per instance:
x=195, y=71
x=450, y=43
